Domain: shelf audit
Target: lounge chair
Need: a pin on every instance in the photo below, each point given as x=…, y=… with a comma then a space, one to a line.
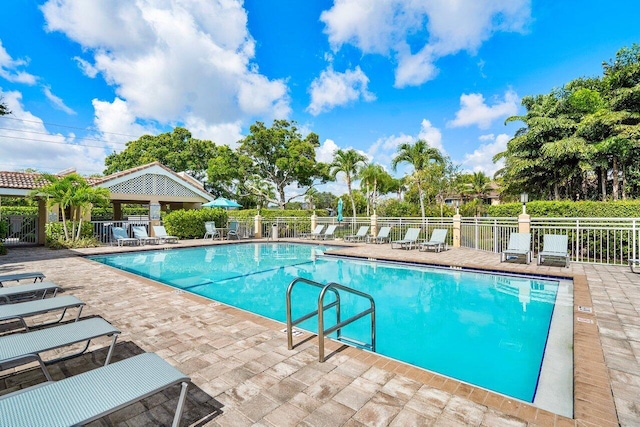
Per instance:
x=329, y=233
x=212, y=232
x=233, y=230
x=437, y=241
x=140, y=233
x=382, y=237
x=18, y=349
x=633, y=262
x=519, y=245
x=161, y=233
x=21, y=276
x=82, y=398
x=121, y=237
x=555, y=248
x=360, y=236
x=410, y=239
x=20, y=311
x=22, y=292
x=316, y=232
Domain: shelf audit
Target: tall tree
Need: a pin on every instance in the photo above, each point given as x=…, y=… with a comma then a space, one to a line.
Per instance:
x=418, y=155
x=375, y=180
x=4, y=109
x=347, y=162
x=281, y=156
x=177, y=150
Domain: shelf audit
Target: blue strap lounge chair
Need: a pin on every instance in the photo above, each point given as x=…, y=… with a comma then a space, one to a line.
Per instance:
x=160, y=232
x=18, y=293
x=360, y=236
x=20, y=311
x=91, y=395
x=21, y=348
x=21, y=276
x=555, y=248
x=382, y=237
x=140, y=233
x=437, y=241
x=328, y=234
x=211, y=231
x=121, y=237
x=410, y=239
x=519, y=245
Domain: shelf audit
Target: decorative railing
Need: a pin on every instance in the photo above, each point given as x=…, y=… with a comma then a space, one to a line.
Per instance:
x=102, y=229
x=487, y=234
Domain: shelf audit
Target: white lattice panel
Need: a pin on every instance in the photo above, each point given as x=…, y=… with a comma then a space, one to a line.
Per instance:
x=152, y=184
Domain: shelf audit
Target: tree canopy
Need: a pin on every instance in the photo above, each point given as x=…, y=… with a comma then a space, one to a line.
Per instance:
x=4, y=109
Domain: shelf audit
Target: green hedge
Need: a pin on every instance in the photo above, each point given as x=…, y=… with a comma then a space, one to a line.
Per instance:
x=19, y=210
x=105, y=214
x=54, y=233
x=568, y=209
x=189, y=224
x=275, y=213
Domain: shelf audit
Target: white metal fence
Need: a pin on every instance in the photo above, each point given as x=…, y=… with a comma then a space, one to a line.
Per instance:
x=102, y=229
x=487, y=234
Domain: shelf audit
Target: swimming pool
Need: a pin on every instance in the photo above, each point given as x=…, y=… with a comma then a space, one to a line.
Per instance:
x=488, y=330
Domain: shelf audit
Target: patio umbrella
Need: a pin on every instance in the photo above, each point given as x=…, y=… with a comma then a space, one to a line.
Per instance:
x=340, y=210
x=221, y=202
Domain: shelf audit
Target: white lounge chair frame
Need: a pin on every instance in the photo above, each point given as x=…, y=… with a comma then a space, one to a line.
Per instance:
x=211, y=231
x=91, y=395
x=519, y=245
x=360, y=236
x=20, y=311
x=554, y=247
x=161, y=233
x=409, y=241
x=382, y=237
x=119, y=233
x=437, y=242
x=316, y=232
x=328, y=233
x=35, y=275
x=140, y=233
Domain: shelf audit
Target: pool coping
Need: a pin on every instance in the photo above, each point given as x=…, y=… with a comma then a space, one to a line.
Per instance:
x=593, y=398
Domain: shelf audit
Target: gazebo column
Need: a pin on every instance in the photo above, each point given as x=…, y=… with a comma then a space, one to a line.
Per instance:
x=154, y=215
x=117, y=211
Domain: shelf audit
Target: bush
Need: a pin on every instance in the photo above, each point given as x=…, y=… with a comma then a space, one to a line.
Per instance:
x=54, y=233
x=85, y=242
x=3, y=249
x=568, y=209
x=4, y=228
x=189, y=224
x=19, y=210
x=275, y=213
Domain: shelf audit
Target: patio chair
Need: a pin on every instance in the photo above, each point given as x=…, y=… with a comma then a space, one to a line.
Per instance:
x=410, y=239
x=121, y=237
x=210, y=227
x=140, y=233
x=161, y=233
x=328, y=234
x=316, y=232
x=18, y=293
x=555, y=248
x=21, y=276
x=20, y=311
x=233, y=230
x=633, y=262
x=437, y=242
x=19, y=349
x=519, y=245
x=360, y=236
x=382, y=237
x=82, y=398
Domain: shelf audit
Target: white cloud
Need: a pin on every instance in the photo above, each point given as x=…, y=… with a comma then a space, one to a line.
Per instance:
x=431, y=135
x=481, y=159
x=438, y=28
x=9, y=69
x=57, y=101
x=172, y=61
x=474, y=110
x=28, y=144
x=333, y=88
x=324, y=153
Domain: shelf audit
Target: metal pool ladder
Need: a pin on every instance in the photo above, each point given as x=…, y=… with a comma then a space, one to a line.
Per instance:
x=322, y=333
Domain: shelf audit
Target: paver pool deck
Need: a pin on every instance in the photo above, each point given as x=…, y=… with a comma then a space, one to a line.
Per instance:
x=244, y=375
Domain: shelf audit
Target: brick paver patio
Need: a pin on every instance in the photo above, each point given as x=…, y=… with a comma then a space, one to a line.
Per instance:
x=244, y=375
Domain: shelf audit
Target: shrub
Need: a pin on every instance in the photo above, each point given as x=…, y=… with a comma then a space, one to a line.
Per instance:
x=85, y=242
x=275, y=213
x=55, y=234
x=3, y=249
x=4, y=228
x=19, y=210
x=189, y=224
x=569, y=209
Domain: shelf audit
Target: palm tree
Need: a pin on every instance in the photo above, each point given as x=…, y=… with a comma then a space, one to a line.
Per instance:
x=418, y=155
x=347, y=162
x=371, y=176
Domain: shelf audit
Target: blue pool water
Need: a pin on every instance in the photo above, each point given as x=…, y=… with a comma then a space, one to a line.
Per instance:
x=487, y=330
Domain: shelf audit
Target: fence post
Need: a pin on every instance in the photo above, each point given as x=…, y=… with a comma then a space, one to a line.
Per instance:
x=457, y=222
x=524, y=223
x=633, y=228
x=374, y=224
x=314, y=221
x=257, y=226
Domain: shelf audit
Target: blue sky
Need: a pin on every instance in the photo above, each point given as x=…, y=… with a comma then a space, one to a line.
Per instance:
x=83, y=78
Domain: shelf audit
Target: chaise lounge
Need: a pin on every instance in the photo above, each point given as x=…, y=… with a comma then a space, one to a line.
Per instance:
x=161, y=233
x=555, y=248
x=140, y=233
x=20, y=311
x=18, y=293
x=410, y=239
x=121, y=237
x=437, y=241
x=382, y=237
x=519, y=245
x=359, y=236
x=91, y=395
x=21, y=276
